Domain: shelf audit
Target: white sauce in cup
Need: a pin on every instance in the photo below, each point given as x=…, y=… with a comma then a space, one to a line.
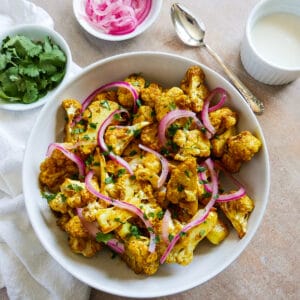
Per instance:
x=276, y=38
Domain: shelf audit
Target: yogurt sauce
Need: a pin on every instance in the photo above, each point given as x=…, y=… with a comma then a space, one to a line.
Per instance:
x=276, y=38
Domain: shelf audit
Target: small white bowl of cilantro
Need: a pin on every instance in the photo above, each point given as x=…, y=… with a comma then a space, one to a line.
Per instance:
x=34, y=63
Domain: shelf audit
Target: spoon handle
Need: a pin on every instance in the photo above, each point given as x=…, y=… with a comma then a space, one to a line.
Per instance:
x=256, y=105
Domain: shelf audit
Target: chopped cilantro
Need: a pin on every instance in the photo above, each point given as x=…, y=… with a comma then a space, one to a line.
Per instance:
x=29, y=69
x=172, y=129
x=109, y=180
x=121, y=172
x=172, y=106
x=133, y=152
x=48, y=196
x=75, y=187
x=201, y=169
x=182, y=233
x=180, y=188
x=187, y=173
x=93, y=125
x=160, y=214
x=138, y=103
x=170, y=237
x=134, y=231
x=105, y=104
x=103, y=237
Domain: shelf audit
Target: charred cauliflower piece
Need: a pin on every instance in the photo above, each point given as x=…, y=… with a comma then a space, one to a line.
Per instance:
x=59, y=203
x=218, y=142
x=55, y=169
x=240, y=148
x=73, y=109
x=183, y=251
x=222, y=119
x=149, y=136
x=238, y=211
x=169, y=100
x=138, y=257
x=182, y=188
x=194, y=86
x=119, y=137
x=124, y=96
x=218, y=233
x=144, y=114
x=191, y=143
x=151, y=94
x=75, y=228
x=75, y=193
x=85, y=246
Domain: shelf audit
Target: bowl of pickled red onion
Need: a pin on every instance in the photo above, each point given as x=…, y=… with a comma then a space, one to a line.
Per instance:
x=116, y=20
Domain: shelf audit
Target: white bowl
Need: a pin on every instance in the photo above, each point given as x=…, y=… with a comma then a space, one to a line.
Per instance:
x=38, y=32
x=257, y=65
x=79, y=12
x=113, y=276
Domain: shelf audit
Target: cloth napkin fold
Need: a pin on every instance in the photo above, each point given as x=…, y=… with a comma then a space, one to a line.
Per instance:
x=26, y=269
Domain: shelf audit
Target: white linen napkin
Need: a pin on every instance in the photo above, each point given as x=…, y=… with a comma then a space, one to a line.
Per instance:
x=26, y=269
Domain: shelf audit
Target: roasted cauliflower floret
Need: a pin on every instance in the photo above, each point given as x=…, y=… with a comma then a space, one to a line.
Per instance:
x=59, y=203
x=85, y=246
x=218, y=233
x=183, y=251
x=55, y=169
x=238, y=211
x=169, y=100
x=194, y=86
x=182, y=188
x=124, y=96
x=218, y=142
x=137, y=256
x=240, y=148
x=149, y=136
x=118, y=137
x=75, y=228
x=222, y=119
x=191, y=143
x=76, y=194
x=144, y=114
x=73, y=109
x=151, y=94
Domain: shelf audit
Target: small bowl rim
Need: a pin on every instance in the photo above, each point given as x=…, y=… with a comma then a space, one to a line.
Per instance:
x=145, y=25
x=59, y=39
x=252, y=19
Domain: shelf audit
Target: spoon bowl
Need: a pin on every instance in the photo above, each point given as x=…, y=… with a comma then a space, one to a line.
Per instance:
x=191, y=31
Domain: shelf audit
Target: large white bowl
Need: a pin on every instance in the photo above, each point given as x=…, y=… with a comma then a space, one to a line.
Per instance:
x=113, y=276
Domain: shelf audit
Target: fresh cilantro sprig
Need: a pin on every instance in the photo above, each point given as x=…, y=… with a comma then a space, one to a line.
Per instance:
x=29, y=69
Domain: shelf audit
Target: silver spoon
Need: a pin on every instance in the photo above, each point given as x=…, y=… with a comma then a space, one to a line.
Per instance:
x=192, y=31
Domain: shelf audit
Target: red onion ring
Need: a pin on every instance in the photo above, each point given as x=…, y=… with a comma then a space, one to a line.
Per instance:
x=75, y=158
x=165, y=226
x=123, y=205
x=122, y=84
x=104, y=147
x=201, y=215
x=164, y=165
x=171, y=117
x=117, y=17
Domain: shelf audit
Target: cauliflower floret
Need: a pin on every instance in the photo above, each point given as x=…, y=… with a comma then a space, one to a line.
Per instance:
x=144, y=114
x=94, y=115
x=76, y=193
x=149, y=137
x=238, y=211
x=72, y=108
x=137, y=256
x=54, y=169
x=150, y=94
x=59, y=203
x=183, y=185
x=168, y=101
x=218, y=233
x=124, y=96
x=194, y=86
x=85, y=246
x=119, y=137
x=75, y=228
x=222, y=119
x=218, y=142
x=240, y=148
x=191, y=143
x=63, y=220
x=148, y=169
x=183, y=251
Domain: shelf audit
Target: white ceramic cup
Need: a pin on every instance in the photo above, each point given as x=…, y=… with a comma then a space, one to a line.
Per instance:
x=255, y=63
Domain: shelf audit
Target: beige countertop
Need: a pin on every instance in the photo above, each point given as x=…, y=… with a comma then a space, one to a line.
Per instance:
x=270, y=265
